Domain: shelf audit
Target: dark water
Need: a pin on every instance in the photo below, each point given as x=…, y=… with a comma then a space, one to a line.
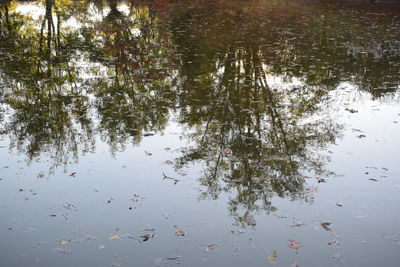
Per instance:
x=199, y=133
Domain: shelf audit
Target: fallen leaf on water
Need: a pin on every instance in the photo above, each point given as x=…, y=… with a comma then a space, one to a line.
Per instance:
x=272, y=256
x=294, y=244
x=333, y=243
x=180, y=233
x=64, y=241
x=145, y=237
x=210, y=247
x=116, y=236
x=325, y=225
x=147, y=234
x=351, y=110
x=297, y=224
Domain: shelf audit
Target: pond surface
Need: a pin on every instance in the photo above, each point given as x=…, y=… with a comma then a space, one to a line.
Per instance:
x=199, y=133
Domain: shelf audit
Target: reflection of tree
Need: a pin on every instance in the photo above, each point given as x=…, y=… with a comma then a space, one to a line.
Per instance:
x=49, y=115
x=255, y=141
x=117, y=68
x=49, y=91
x=136, y=96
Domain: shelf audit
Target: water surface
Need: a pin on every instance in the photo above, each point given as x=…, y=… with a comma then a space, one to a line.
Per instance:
x=199, y=133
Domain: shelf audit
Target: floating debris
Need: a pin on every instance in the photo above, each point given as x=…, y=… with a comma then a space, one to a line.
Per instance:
x=145, y=237
x=180, y=233
x=147, y=234
x=333, y=243
x=297, y=224
x=294, y=245
x=64, y=241
x=351, y=110
x=209, y=248
x=325, y=225
x=115, y=236
x=272, y=256
x=170, y=178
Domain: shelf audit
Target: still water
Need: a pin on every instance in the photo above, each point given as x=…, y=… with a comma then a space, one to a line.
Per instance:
x=199, y=133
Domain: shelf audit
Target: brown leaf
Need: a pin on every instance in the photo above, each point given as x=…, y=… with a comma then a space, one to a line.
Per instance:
x=351, y=110
x=272, y=256
x=294, y=244
x=116, y=236
x=333, y=243
x=325, y=225
x=180, y=233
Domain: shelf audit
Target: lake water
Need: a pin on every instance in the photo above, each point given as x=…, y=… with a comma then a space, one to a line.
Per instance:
x=199, y=133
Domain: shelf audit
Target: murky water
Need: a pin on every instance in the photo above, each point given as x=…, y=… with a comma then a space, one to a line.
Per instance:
x=199, y=133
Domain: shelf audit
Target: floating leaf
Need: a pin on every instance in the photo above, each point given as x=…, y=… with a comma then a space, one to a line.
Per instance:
x=180, y=233
x=210, y=247
x=145, y=237
x=64, y=241
x=351, y=110
x=116, y=236
x=325, y=225
x=297, y=224
x=294, y=244
x=272, y=256
x=333, y=243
